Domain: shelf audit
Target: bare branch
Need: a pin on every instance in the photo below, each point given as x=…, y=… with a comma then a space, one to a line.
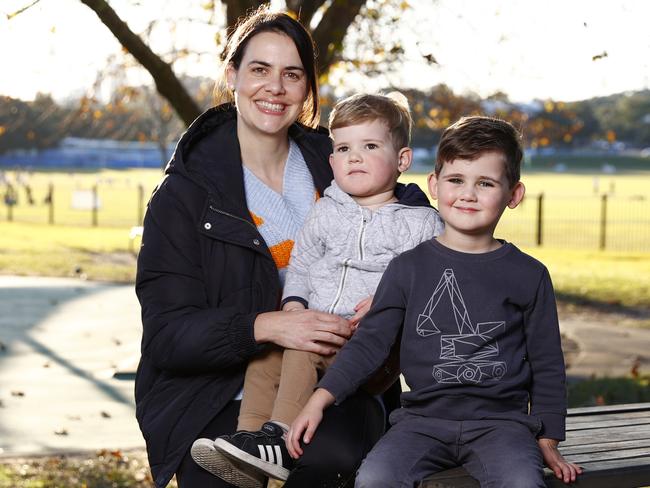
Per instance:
x=167, y=84
x=21, y=10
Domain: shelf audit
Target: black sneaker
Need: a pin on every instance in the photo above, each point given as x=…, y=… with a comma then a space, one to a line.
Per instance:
x=263, y=451
x=228, y=469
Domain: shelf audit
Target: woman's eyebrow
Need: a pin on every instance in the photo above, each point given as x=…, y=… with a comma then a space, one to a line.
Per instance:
x=268, y=65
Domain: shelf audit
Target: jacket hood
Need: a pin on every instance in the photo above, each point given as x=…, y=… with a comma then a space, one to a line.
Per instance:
x=212, y=162
x=410, y=195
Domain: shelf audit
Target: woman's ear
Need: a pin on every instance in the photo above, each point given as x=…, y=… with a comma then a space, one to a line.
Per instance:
x=405, y=158
x=231, y=77
x=516, y=195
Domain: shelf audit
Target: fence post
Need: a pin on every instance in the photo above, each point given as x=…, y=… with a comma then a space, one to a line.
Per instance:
x=140, y=204
x=49, y=199
x=540, y=215
x=11, y=199
x=603, y=221
x=95, y=206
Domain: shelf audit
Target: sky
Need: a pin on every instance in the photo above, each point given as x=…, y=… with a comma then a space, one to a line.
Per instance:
x=560, y=49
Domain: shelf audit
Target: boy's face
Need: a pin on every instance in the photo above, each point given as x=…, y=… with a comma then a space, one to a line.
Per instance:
x=472, y=195
x=365, y=162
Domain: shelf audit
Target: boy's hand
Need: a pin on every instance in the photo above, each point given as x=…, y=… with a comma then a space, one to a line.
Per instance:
x=564, y=470
x=361, y=309
x=307, y=421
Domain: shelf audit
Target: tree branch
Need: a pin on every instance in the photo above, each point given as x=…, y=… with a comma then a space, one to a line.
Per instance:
x=167, y=84
x=330, y=32
x=304, y=9
x=238, y=8
x=21, y=10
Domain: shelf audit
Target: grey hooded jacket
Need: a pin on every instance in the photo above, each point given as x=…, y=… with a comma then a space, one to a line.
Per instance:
x=343, y=249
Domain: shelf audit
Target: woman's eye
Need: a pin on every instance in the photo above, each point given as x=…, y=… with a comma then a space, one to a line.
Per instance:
x=293, y=76
x=258, y=70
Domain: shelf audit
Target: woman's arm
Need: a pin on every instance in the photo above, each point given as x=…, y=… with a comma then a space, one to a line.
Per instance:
x=181, y=330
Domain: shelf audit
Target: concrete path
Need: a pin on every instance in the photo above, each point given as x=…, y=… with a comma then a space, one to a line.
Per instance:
x=62, y=340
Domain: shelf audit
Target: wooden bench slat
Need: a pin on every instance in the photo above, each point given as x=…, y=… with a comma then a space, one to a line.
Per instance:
x=604, y=446
x=611, y=443
x=625, y=407
x=632, y=455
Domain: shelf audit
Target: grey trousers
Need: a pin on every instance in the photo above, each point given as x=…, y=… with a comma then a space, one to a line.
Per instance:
x=497, y=453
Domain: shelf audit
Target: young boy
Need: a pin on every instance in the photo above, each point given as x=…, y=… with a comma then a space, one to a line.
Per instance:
x=480, y=343
x=362, y=222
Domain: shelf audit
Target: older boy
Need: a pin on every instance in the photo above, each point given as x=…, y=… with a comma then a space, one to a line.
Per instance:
x=480, y=342
x=363, y=221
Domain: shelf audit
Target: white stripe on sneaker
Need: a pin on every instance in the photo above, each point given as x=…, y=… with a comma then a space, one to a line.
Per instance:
x=278, y=456
x=262, y=452
x=269, y=454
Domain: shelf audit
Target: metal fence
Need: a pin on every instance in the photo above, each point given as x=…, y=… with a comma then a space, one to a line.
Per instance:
x=612, y=222
x=620, y=223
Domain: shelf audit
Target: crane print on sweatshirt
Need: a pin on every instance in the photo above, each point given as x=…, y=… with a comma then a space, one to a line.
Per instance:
x=470, y=355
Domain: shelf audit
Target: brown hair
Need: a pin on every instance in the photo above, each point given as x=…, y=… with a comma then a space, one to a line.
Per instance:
x=262, y=20
x=471, y=137
x=392, y=109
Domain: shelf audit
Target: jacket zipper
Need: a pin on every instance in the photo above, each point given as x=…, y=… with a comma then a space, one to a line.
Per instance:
x=222, y=212
x=346, y=265
x=339, y=292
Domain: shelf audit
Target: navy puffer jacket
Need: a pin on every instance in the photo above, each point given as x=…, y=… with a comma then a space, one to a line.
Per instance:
x=204, y=274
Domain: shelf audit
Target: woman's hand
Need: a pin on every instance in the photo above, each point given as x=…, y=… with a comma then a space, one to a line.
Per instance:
x=361, y=309
x=304, y=330
x=564, y=470
x=307, y=421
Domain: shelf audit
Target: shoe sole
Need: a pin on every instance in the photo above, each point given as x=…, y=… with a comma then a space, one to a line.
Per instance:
x=271, y=470
x=205, y=455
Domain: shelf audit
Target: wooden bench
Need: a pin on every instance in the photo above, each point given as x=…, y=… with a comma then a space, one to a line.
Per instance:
x=612, y=444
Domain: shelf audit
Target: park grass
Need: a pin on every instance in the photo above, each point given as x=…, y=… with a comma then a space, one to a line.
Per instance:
x=95, y=253
x=618, y=277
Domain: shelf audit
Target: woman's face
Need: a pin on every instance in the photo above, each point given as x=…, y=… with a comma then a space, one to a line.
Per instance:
x=270, y=85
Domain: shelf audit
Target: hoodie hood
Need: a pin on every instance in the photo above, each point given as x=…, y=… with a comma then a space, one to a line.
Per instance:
x=410, y=195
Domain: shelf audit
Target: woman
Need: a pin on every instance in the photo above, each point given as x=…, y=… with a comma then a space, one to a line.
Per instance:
x=216, y=239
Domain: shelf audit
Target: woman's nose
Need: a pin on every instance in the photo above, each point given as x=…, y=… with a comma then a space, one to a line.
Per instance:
x=275, y=84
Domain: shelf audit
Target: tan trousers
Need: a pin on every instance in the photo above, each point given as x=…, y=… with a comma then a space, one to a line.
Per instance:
x=278, y=385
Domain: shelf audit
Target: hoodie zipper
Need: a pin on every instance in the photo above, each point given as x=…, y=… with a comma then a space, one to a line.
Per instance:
x=346, y=265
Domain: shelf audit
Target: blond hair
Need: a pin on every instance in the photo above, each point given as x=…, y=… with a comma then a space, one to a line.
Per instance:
x=392, y=109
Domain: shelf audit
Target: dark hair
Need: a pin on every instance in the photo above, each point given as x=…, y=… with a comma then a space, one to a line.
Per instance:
x=471, y=137
x=262, y=20
x=392, y=109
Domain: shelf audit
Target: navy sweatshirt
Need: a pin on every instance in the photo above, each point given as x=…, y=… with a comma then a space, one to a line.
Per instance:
x=479, y=337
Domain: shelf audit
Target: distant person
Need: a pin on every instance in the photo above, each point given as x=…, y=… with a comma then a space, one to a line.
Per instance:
x=348, y=239
x=479, y=339
x=217, y=237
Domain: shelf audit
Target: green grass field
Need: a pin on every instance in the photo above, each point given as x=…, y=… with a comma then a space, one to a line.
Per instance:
x=582, y=273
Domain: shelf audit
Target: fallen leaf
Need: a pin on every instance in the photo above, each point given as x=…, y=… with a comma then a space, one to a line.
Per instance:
x=61, y=432
x=106, y=415
x=17, y=393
